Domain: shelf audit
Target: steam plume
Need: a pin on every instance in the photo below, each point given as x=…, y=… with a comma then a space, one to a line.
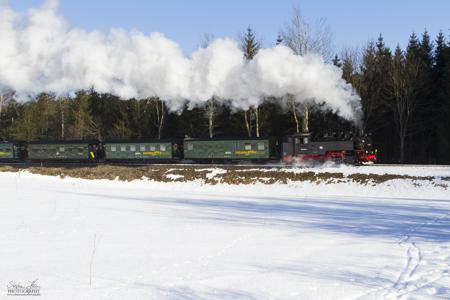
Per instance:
x=41, y=52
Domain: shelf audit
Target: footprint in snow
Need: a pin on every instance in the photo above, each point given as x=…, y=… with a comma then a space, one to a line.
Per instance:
x=431, y=291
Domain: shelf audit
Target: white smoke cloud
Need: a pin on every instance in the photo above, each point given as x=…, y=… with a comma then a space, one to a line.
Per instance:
x=41, y=52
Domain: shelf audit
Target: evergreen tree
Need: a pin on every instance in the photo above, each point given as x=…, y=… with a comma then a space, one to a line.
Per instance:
x=9, y=112
x=427, y=107
x=442, y=80
x=439, y=58
x=381, y=114
x=369, y=89
x=348, y=69
x=279, y=39
x=336, y=61
x=421, y=138
x=80, y=119
x=413, y=48
x=383, y=52
x=250, y=46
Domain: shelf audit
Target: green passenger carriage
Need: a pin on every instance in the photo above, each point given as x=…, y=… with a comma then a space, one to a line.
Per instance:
x=62, y=150
x=140, y=150
x=228, y=149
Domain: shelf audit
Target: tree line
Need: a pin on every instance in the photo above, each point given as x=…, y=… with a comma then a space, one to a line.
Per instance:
x=405, y=97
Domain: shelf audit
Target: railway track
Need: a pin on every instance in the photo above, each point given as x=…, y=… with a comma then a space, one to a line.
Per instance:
x=68, y=164
x=139, y=164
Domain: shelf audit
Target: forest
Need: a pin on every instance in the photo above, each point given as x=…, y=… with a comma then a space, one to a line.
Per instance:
x=405, y=102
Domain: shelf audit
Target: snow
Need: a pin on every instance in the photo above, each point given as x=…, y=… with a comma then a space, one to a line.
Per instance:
x=174, y=176
x=189, y=240
x=409, y=170
x=413, y=170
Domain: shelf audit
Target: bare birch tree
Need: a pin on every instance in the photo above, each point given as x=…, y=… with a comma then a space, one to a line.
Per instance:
x=160, y=112
x=211, y=113
x=211, y=104
x=256, y=112
x=248, y=121
x=2, y=102
x=303, y=38
x=207, y=39
x=305, y=123
x=292, y=104
x=250, y=46
x=63, y=119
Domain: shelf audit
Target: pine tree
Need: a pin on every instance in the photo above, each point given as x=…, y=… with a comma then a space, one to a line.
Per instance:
x=442, y=80
x=439, y=58
x=426, y=49
x=379, y=113
x=425, y=141
x=421, y=138
x=413, y=48
x=250, y=46
x=382, y=50
x=80, y=119
x=348, y=69
x=279, y=39
x=9, y=110
x=336, y=61
x=369, y=89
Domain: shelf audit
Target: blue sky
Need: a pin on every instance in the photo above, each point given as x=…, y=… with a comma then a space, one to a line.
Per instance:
x=353, y=22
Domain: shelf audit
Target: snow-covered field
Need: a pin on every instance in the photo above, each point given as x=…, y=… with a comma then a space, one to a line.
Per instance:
x=188, y=240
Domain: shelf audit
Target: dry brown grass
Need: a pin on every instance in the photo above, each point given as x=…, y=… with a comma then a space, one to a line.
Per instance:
x=230, y=175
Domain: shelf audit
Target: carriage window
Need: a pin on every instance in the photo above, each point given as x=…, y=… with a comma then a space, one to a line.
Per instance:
x=248, y=146
x=142, y=148
x=113, y=148
x=162, y=147
x=261, y=146
x=297, y=141
x=190, y=146
x=123, y=148
x=132, y=148
x=61, y=149
x=152, y=148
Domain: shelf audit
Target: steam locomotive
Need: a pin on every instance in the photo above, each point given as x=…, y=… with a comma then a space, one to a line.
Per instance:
x=298, y=148
x=347, y=149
